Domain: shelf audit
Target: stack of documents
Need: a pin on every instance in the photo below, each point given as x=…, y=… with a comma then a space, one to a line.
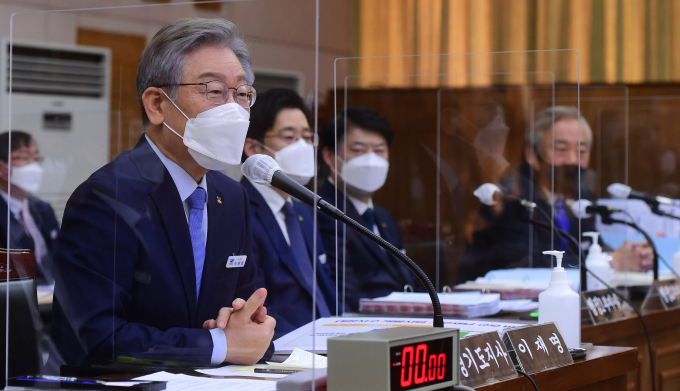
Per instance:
x=521, y=283
x=470, y=305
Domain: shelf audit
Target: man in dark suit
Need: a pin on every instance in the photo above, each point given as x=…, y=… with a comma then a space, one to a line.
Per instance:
x=155, y=244
x=32, y=222
x=283, y=228
x=357, y=164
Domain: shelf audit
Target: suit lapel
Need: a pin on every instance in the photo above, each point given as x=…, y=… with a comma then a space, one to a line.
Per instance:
x=170, y=209
x=18, y=237
x=264, y=214
x=368, y=244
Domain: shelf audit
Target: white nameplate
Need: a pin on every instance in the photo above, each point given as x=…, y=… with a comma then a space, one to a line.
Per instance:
x=236, y=261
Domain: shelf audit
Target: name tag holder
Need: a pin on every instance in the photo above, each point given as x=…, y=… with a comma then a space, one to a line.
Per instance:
x=536, y=348
x=484, y=359
x=602, y=305
x=662, y=295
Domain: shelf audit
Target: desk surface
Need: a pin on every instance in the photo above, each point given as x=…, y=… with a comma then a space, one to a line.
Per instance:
x=604, y=368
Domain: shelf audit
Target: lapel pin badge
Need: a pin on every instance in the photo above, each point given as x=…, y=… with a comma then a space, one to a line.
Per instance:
x=384, y=225
x=219, y=200
x=300, y=217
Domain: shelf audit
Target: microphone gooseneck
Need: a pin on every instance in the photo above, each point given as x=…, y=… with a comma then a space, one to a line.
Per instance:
x=584, y=209
x=264, y=170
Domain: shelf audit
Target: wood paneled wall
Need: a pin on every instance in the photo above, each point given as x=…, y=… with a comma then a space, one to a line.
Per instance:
x=410, y=193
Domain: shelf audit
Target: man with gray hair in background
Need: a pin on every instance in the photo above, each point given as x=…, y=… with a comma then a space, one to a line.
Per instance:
x=503, y=238
x=153, y=262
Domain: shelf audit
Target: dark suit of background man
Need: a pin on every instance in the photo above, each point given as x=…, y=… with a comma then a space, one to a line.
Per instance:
x=504, y=238
x=144, y=255
x=358, y=162
x=283, y=228
x=32, y=222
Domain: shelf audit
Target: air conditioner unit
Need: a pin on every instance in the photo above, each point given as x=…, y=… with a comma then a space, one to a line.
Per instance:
x=60, y=95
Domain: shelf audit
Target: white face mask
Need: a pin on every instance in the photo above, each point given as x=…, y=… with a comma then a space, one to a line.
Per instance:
x=366, y=172
x=27, y=177
x=215, y=137
x=296, y=160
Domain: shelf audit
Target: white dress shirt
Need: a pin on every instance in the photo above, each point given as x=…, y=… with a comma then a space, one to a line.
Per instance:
x=359, y=205
x=275, y=203
x=186, y=185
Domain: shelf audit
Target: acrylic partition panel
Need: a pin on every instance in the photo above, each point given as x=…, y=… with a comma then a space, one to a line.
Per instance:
x=649, y=154
x=465, y=123
x=114, y=222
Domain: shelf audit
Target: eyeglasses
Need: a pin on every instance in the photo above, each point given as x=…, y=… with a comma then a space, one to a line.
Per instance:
x=217, y=92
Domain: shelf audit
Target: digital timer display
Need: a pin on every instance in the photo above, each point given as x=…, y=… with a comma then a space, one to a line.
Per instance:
x=417, y=365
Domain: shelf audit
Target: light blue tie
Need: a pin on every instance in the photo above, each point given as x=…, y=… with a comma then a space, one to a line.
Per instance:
x=197, y=203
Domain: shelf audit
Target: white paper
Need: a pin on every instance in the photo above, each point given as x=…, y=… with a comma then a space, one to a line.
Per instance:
x=304, y=339
x=233, y=370
x=519, y=305
x=192, y=383
x=302, y=359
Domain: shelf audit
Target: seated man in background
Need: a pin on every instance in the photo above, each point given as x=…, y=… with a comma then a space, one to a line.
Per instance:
x=32, y=222
x=283, y=228
x=358, y=162
x=502, y=237
x=156, y=245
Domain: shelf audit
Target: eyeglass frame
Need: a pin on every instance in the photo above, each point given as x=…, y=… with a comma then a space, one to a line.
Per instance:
x=205, y=83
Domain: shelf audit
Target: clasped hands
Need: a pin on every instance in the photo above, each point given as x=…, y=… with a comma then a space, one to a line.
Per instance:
x=248, y=328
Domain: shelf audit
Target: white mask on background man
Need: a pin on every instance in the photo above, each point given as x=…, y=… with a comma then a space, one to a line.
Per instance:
x=215, y=137
x=366, y=172
x=27, y=177
x=296, y=160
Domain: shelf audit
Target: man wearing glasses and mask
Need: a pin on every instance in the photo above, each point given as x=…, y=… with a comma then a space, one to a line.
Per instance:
x=502, y=239
x=283, y=228
x=154, y=260
x=356, y=162
x=32, y=222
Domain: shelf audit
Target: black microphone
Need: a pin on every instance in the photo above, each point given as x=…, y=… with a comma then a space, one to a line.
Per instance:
x=486, y=193
x=584, y=209
x=263, y=170
x=619, y=190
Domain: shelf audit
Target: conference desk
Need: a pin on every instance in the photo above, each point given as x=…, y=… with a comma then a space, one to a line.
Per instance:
x=664, y=329
x=605, y=368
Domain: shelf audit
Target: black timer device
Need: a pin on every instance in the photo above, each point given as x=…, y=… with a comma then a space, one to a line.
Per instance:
x=394, y=359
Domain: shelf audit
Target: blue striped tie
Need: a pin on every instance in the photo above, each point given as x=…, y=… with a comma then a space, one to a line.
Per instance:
x=197, y=203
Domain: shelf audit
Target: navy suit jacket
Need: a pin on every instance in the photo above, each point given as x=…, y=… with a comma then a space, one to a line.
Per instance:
x=124, y=266
x=20, y=239
x=369, y=271
x=289, y=298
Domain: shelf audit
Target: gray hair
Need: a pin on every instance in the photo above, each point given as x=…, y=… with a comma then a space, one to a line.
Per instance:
x=544, y=120
x=162, y=61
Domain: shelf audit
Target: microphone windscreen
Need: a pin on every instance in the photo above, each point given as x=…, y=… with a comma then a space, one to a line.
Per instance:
x=578, y=208
x=485, y=193
x=260, y=169
x=619, y=190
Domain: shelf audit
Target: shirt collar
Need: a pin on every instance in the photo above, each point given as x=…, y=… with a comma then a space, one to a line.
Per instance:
x=14, y=204
x=184, y=182
x=271, y=197
x=359, y=205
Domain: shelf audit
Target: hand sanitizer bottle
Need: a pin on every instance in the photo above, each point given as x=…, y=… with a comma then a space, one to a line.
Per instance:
x=560, y=304
x=597, y=263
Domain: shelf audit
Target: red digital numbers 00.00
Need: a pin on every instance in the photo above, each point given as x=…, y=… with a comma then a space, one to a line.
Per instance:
x=426, y=369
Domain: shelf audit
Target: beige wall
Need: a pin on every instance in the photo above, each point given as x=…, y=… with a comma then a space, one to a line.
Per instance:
x=280, y=33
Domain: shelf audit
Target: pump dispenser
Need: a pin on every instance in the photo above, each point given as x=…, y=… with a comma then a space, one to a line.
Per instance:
x=597, y=263
x=560, y=304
